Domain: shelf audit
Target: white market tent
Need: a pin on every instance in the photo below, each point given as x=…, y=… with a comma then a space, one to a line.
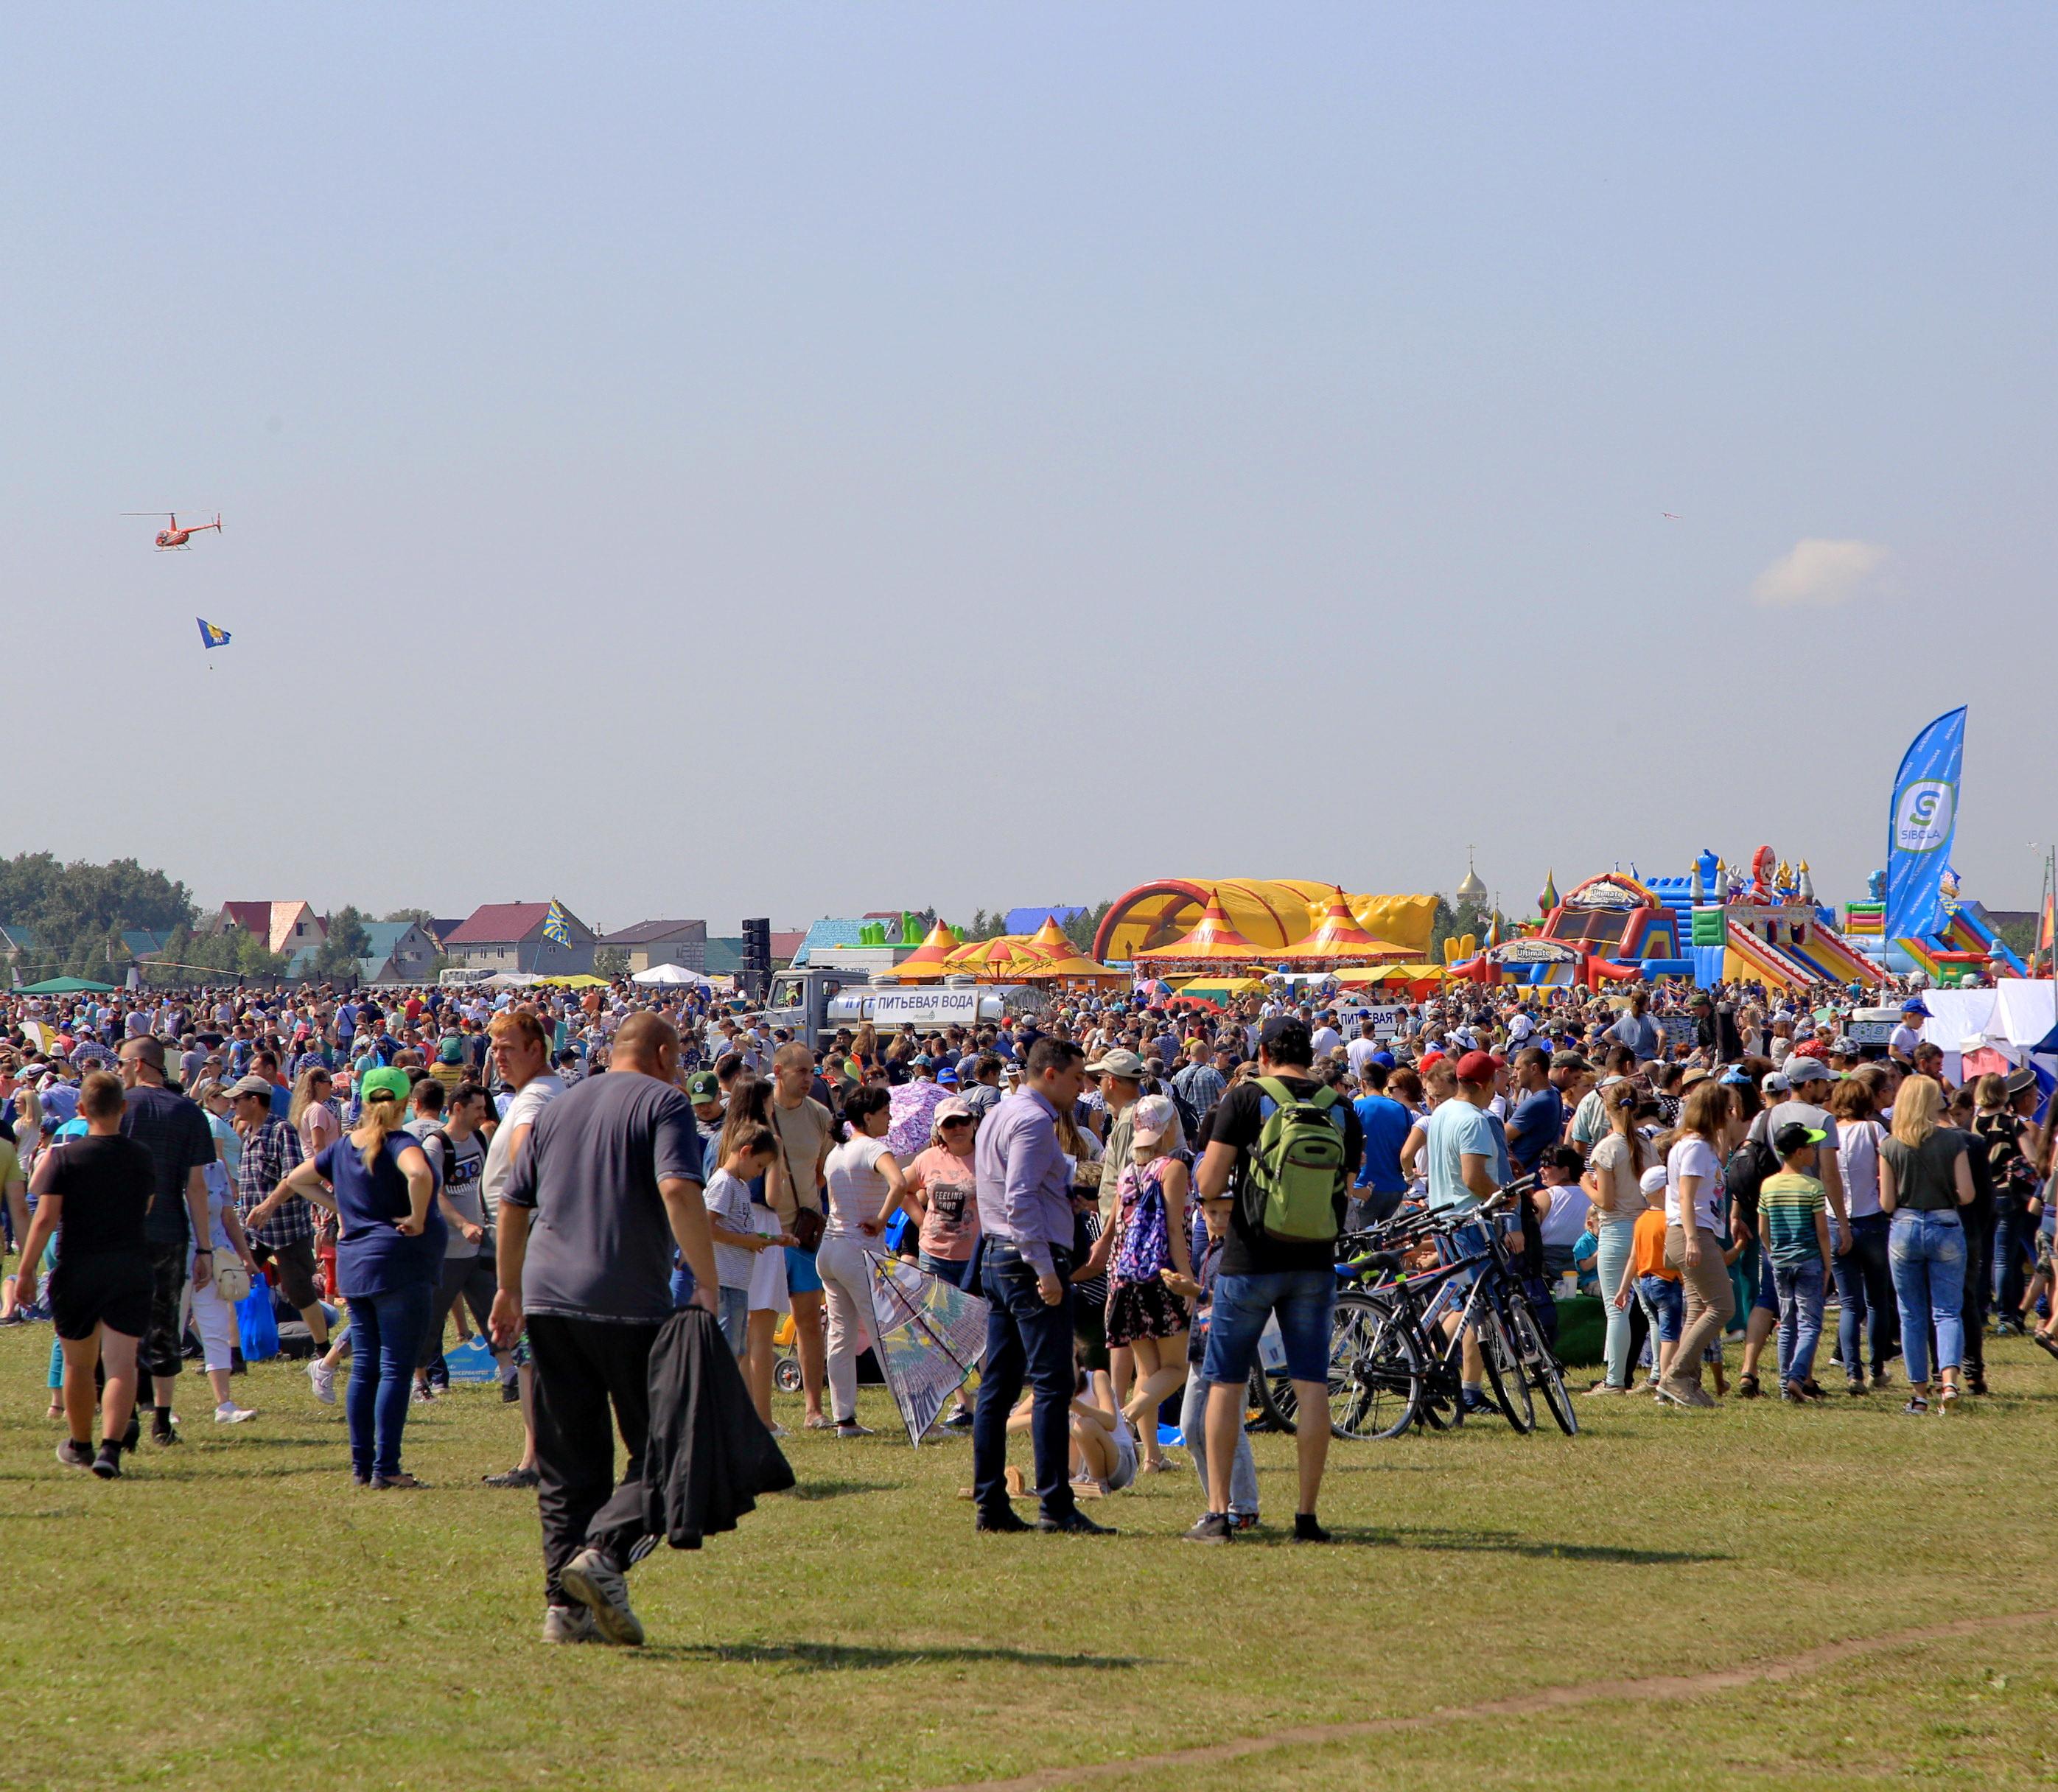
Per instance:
x=669, y=974
x=2014, y=1018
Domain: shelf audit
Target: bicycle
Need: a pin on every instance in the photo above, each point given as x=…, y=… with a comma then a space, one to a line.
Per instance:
x=1392, y=1365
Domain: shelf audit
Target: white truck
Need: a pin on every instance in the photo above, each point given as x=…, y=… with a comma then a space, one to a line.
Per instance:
x=815, y=1001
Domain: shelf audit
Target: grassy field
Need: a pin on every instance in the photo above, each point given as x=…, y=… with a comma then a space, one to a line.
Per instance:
x=234, y=1612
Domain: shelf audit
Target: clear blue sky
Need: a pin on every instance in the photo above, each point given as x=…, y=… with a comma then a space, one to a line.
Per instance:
x=790, y=461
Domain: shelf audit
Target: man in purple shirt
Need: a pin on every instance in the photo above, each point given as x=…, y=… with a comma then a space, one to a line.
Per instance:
x=1025, y=1218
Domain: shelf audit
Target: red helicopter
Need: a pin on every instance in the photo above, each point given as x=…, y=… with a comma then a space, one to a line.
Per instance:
x=175, y=536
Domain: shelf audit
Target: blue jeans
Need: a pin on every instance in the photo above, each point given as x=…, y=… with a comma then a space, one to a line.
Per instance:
x=2014, y=1246
x=1866, y=1311
x=1800, y=1287
x=1928, y=1253
x=1302, y=1298
x=386, y=1337
x=1026, y=1340
x=1616, y=1238
x=959, y=1273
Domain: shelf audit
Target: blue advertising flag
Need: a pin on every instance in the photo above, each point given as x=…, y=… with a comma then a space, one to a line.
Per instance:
x=1921, y=823
x=211, y=636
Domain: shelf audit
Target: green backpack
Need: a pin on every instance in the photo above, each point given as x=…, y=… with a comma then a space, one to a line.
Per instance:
x=1297, y=1169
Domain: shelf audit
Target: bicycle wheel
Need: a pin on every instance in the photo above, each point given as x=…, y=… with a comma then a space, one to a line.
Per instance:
x=1274, y=1389
x=1375, y=1369
x=1504, y=1372
x=1540, y=1367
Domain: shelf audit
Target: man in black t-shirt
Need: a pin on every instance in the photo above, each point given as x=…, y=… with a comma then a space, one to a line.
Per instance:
x=98, y=1189
x=174, y=1131
x=1261, y=1277
x=609, y=1182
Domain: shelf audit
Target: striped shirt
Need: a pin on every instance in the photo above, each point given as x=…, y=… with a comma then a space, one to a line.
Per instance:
x=1788, y=1202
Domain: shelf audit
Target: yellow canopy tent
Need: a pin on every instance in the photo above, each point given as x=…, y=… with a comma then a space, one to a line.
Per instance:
x=1214, y=942
x=1074, y=967
x=928, y=961
x=1338, y=940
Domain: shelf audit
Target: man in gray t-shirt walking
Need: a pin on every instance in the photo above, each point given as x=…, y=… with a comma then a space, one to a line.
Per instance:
x=609, y=1183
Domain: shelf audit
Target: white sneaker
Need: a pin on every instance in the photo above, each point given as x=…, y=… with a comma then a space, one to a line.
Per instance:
x=323, y=1379
x=228, y=1412
x=598, y=1585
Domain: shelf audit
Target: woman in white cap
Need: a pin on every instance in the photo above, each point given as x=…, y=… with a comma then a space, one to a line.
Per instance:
x=1149, y=1241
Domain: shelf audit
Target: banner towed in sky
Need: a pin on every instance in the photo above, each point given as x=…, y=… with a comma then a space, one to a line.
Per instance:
x=1921, y=825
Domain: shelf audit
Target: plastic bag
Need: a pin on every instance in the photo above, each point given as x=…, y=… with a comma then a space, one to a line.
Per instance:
x=254, y=1321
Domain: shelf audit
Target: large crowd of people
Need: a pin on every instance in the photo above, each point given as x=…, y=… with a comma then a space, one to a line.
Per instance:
x=1136, y=1190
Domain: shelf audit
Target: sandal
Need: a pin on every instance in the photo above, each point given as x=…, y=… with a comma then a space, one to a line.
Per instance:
x=1915, y=1407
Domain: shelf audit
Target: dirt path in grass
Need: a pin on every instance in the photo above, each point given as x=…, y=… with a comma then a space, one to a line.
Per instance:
x=1548, y=1698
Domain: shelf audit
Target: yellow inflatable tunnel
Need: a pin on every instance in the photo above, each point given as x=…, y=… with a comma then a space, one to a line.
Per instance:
x=1271, y=912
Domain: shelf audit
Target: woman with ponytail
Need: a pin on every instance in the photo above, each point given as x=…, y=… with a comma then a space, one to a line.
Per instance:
x=389, y=1258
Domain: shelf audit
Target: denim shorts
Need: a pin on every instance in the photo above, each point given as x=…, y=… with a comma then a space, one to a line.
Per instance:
x=1302, y=1298
x=1469, y=1240
x=802, y=1276
x=735, y=1318
x=1665, y=1301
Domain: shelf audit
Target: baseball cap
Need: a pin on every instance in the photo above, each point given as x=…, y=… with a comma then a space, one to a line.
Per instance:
x=1791, y=1136
x=385, y=1080
x=704, y=1085
x=249, y=1085
x=1476, y=1066
x=1151, y=1118
x=1652, y=1181
x=1118, y=1063
x=1914, y=1005
x=953, y=1108
x=1383, y=1058
x=451, y=1052
x=1775, y=1083
x=1806, y=1070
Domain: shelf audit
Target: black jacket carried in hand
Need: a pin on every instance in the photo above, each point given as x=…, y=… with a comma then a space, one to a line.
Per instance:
x=710, y=1455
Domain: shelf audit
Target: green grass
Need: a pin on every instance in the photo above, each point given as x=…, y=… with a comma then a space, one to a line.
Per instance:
x=233, y=1612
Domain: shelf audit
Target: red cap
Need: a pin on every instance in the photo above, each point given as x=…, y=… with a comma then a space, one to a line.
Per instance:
x=1430, y=1060
x=1476, y=1066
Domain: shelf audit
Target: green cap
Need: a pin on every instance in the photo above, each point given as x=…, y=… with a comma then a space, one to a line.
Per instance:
x=387, y=1080
x=704, y=1085
x=451, y=1051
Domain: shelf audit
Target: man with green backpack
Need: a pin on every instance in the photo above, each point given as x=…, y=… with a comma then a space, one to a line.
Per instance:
x=1282, y=1155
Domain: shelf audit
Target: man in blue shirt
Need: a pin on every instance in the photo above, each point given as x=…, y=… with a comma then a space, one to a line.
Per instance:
x=1538, y=1121
x=1025, y=1214
x=1379, y=1184
x=1468, y=1157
